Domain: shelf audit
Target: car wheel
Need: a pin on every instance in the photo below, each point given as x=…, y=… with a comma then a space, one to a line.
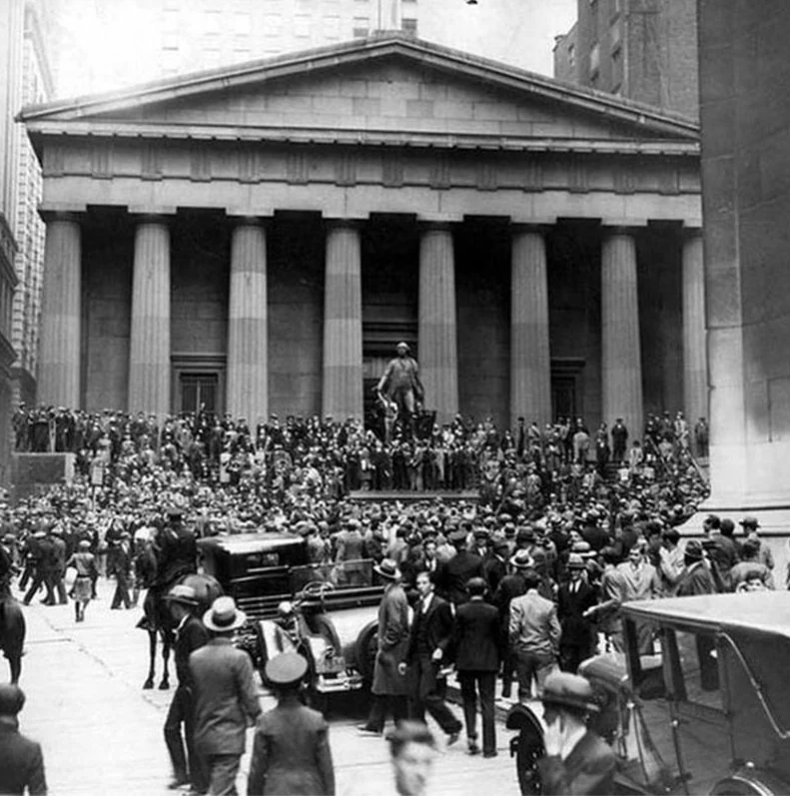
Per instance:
x=365, y=649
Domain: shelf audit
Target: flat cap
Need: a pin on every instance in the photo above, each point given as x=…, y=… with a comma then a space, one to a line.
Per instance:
x=285, y=669
x=563, y=689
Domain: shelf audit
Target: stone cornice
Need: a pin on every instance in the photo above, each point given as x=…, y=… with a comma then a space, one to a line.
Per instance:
x=383, y=138
x=643, y=118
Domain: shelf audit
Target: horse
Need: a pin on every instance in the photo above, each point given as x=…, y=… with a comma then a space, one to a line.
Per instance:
x=159, y=623
x=12, y=634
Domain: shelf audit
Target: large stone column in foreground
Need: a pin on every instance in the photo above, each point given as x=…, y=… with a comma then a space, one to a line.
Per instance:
x=59, y=354
x=530, y=364
x=695, y=365
x=248, y=375
x=149, y=356
x=621, y=376
x=438, y=338
x=342, y=387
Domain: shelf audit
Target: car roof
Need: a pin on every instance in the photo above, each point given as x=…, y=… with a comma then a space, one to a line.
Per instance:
x=765, y=611
x=242, y=543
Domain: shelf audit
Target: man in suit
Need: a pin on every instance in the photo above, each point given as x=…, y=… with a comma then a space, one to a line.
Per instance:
x=477, y=662
x=429, y=641
x=534, y=632
x=122, y=569
x=389, y=688
x=577, y=642
x=577, y=760
x=455, y=573
x=190, y=635
x=510, y=586
x=226, y=698
x=21, y=760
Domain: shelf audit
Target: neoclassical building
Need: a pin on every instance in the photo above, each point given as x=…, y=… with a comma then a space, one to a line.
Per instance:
x=259, y=237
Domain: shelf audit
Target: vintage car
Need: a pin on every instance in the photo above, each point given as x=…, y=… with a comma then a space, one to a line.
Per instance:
x=328, y=612
x=709, y=714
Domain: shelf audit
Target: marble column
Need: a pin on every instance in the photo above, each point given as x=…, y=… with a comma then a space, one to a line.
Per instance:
x=695, y=362
x=530, y=364
x=342, y=371
x=248, y=377
x=438, y=339
x=59, y=365
x=621, y=376
x=149, y=356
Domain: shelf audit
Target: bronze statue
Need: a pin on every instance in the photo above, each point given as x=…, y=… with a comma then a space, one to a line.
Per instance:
x=401, y=385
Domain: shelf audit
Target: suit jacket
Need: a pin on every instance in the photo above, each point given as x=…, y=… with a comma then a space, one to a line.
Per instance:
x=576, y=631
x=393, y=642
x=588, y=769
x=190, y=636
x=290, y=753
x=22, y=763
x=534, y=626
x=696, y=579
x=437, y=622
x=225, y=697
x=455, y=574
x=477, y=637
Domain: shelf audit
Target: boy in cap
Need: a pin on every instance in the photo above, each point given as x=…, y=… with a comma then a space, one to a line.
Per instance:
x=290, y=753
x=190, y=634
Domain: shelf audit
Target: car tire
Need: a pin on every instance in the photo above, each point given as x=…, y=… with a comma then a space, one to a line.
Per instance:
x=365, y=650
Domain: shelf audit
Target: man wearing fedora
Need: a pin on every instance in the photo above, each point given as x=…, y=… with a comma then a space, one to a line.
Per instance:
x=389, y=688
x=290, y=753
x=577, y=761
x=226, y=698
x=190, y=634
x=21, y=759
x=577, y=642
x=750, y=526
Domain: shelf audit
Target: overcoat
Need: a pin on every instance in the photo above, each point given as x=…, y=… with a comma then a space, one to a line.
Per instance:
x=393, y=642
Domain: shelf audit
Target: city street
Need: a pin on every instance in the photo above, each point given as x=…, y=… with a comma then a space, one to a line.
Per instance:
x=102, y=733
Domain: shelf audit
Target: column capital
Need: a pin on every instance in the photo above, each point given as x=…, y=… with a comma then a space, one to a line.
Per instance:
x=333, y=222
x=146, y=211
x=234, y=213
x=250, y=221
x=438, y=220
x=47, y=215
x=530, y=227
x=609, y=230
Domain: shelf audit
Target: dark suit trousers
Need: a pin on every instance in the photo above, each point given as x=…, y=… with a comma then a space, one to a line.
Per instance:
x=121, y=591
x=396, y=703
x=428, y=695
x=483, y=683
x=182, y=711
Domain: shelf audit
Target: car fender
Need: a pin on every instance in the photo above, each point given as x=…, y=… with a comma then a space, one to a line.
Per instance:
x=751, y=781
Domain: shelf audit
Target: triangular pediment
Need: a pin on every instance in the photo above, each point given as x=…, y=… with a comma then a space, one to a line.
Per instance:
x=387, y=89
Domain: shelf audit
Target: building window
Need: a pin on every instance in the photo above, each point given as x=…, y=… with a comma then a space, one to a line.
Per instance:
x=616, y=38
x=571, y=56
x=595, y=60
x=409, y=26
x=361, y=27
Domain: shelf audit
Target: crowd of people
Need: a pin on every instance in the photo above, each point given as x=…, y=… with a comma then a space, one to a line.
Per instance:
x=563, y=532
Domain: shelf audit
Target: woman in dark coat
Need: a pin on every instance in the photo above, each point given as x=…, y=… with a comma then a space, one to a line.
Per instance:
x=290, y=753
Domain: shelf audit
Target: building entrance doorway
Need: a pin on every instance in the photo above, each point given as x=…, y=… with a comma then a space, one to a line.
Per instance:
x=199, y=391
x=566, y=381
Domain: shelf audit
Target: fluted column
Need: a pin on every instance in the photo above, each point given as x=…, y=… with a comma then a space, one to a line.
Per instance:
x=248, y=376
x=342, y=387
x=695, y=360
x=530, y=365
x=621, y=375
x=149, y=356
x=438, y=339
x=59, y=355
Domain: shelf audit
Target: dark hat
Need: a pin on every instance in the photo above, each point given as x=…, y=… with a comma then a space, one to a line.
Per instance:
x=501, y=546
x=693, y=550
x=388, y=569
x=223, y=615
x=526, y=535
x=285, y=669
x=12, y=699
x=480, y=533
x=522, y=560
x=174, y=511
x=180, y=593
x=575, y=561
x=566, y=690
x=458, y=536
x=749, y=522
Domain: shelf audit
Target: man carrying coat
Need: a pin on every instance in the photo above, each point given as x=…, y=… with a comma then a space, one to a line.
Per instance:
x=389, y=682
x=429, y=641
x=477, y=661
x=576, y=597
x=226, y=698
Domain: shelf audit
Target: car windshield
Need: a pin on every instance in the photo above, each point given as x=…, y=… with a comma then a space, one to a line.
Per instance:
x=344, y=575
